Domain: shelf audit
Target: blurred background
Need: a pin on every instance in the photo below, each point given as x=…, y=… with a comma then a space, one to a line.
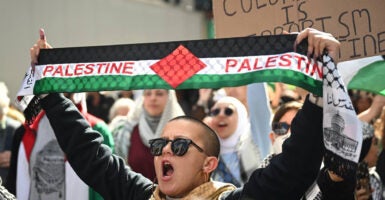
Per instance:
x=94, y=22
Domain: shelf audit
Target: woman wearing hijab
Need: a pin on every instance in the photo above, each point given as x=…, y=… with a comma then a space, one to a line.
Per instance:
x=239, y=154
x=132, y=134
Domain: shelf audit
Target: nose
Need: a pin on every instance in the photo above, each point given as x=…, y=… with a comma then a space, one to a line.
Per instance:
x=167, y=149
x=222, y=112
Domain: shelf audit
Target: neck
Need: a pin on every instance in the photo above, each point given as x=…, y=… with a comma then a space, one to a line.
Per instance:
x=229, y=145
x=152, y=121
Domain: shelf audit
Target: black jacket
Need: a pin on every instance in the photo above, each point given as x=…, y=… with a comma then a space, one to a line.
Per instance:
x=288, y=176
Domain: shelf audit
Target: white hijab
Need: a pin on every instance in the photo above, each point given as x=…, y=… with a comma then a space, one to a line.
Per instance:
x=229, y=144
x=171, y=110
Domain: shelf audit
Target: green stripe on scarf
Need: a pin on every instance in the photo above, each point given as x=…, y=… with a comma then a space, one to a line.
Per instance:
x=117, y=82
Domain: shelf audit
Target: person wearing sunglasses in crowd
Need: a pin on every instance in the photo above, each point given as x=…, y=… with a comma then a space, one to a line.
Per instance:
x=327, y=186
x=239, y=155
x=281, y=122
x=182, y=169
x=280, y=127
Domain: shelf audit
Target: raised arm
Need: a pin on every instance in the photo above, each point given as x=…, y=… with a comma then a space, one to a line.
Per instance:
x=92, y=161
x=291, y=173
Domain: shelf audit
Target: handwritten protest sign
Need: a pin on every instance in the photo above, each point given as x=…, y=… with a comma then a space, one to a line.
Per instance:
x=358, y=25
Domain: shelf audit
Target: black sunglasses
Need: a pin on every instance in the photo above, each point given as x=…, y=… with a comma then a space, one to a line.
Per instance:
x=280, y=128
x=179, y=146
x=216, y=111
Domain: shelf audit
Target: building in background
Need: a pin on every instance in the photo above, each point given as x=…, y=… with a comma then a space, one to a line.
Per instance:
x=92, y=22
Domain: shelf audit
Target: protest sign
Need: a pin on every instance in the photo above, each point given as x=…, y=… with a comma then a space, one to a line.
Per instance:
x=358, y=25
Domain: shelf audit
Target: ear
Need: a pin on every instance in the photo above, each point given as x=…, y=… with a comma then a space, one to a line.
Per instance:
x=271, y=136
x=210, y=164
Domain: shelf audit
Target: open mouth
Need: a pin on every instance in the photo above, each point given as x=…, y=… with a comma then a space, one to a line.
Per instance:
x=168, y=169
x=222, y=124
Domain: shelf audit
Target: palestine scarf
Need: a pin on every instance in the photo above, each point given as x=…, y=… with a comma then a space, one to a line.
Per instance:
x=211, y=63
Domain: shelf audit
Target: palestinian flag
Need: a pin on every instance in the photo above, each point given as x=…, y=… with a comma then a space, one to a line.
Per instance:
x=210, y=63
x=364, y=74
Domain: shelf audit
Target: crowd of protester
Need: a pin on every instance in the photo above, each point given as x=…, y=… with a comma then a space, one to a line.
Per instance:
x=219, y=115
x=136, y=126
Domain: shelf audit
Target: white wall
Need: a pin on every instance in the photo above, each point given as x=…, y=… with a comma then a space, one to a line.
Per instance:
x=86, y=23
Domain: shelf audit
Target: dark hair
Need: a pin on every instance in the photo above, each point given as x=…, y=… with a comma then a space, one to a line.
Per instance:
x=284, y=108
x=211, y=140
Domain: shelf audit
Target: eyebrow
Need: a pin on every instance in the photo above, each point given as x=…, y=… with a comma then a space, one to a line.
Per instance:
x=177, y=136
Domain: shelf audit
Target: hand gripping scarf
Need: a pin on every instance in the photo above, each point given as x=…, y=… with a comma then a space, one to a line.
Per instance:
x=211, y=63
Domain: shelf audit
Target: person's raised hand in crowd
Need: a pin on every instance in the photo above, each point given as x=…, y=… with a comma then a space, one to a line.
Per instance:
x=41, y=43
x=374, y=110
x=318, y=42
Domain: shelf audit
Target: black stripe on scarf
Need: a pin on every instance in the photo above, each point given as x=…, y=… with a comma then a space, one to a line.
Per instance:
x=227, y=47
